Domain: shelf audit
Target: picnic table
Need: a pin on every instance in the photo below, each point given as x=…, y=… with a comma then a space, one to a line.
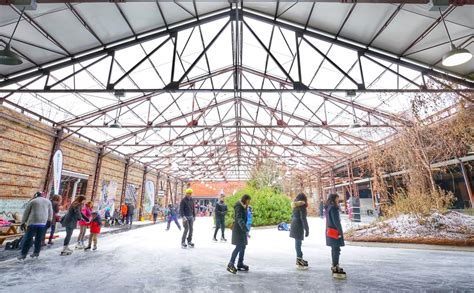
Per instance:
x=11, y=232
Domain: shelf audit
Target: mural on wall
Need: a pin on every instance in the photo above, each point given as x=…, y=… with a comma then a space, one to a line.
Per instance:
x=8, y=208
x=149, y=199
x=131, y=194
x=107, y=196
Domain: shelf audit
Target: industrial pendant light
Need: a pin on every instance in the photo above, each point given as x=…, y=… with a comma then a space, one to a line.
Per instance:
x=456, y=56
x=7, y=56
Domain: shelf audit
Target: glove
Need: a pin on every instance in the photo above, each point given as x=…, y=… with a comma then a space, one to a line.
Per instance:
x=306, y=234
x=23, y=227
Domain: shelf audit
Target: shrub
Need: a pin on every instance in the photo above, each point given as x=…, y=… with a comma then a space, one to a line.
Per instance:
x=269, y=207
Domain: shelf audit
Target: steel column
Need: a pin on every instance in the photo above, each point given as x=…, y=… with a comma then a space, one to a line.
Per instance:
x=140, y=210
x=124, y=181
x=98, y=166
x=467, y=181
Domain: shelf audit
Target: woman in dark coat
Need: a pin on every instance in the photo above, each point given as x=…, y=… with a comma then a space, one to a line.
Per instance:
x=69, y=221
x=299, y=227
x=239, y=235
x=334, y=233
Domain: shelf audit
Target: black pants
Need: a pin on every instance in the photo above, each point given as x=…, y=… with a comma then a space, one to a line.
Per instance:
x=154, y=217
x=188, y=229
x=32, y=231
x=67, y=239
x=51, y=235
x=239, y=250
x=335, y=252
x=220, y=224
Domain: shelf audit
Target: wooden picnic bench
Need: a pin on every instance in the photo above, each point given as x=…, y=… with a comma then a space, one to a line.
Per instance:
x=11, y=233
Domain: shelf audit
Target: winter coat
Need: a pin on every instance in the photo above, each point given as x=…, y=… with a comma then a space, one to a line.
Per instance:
x=55, y=206
x=186, y=207
x=130, y=209
x=299, y=223
x=221, y=210
x=239, y=229
x=156, y=209
x=95, y=225
x=38, y=211
x=72, y=216
x=124, y=209
x=333, y=220
x=86, y=211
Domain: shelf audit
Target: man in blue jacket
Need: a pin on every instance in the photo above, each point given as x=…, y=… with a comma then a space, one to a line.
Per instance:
x=187, y=212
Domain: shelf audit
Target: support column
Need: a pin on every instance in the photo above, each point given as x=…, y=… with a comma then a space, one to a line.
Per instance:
x=98, y=166
x=124, y=182
x=49, y=171
x=140, y=210
x=157, y=188
x=465, y=175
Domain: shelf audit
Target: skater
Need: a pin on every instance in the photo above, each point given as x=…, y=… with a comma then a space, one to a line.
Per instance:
x=249, y=220
x=334, y=234
x=155, y=210
x=130, y=211
x=299, y=228
x=239, y=235
x=84, y=224
x=95, y=224
x=69, y=221
x=172, y=216
x=188, y=213
x=38, y=212
x=321, y=207
x=55, y=202
x=220, y=212
x=124, y=211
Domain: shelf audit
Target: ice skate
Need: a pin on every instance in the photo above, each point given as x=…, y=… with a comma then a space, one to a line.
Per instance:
x=301, y=264
x=214, y=239
x=243, y=268
x=191, y=245
x=223, y=239
x=231, y=269
x=87, y=248
x=94, y=248
x=338, y=273
x=21, y=257
x=34, y=255
x=66, y=251
x=183, y=245
x=79, y=246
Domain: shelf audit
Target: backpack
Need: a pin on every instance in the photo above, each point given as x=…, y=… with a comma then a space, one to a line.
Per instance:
x=14, y=245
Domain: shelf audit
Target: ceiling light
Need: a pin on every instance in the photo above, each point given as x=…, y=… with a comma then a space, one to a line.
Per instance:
x=7, y=56
x=456, y=56
x=115, y=124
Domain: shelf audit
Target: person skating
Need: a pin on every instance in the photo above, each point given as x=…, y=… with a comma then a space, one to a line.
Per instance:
x=239, y=235
x=155, y=211
x=130, y=211
x=69, y=221
x=84, y=224
x=249, y=220
x=38, y=212
x=95, y=224
x=334, y=234
x=172, y=216
x=220, y=212
x=187, y=212
x=299, y=228
x=124, y=211
x=55, y=203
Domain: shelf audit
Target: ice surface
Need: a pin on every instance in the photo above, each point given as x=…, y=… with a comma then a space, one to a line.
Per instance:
x=150, y=259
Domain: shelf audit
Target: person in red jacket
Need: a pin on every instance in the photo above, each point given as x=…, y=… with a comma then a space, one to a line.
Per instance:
x=95, y=224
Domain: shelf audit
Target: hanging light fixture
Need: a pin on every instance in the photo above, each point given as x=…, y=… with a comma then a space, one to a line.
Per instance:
x=7, y=56
x=456, y=56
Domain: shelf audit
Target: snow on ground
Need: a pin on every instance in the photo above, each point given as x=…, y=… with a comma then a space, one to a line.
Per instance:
x=150, y=259
x=450, y=226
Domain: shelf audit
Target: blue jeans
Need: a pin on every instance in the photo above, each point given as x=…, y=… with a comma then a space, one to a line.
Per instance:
x=33, y=231
x=220, y=224
x=335, y=252
x=298, y=243
x=175, y=219
x=240, y=250
x=129, y=219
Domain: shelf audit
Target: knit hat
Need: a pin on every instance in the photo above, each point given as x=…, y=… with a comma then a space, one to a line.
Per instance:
x=189, y=191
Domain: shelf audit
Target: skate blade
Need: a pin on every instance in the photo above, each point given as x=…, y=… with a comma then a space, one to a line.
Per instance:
x=339, y=276
x=231, y=271
x=302, y=268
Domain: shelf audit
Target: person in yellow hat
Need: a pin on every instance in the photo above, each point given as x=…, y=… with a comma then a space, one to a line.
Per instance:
x=187, y=212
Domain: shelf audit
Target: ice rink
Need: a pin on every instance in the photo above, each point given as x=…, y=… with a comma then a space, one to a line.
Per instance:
x=150, y=259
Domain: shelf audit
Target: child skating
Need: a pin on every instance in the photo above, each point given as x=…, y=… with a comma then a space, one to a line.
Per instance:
x=249, y=220
x=239, y=235
x=299, y=227
x=95, y=230
x=334, y=234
